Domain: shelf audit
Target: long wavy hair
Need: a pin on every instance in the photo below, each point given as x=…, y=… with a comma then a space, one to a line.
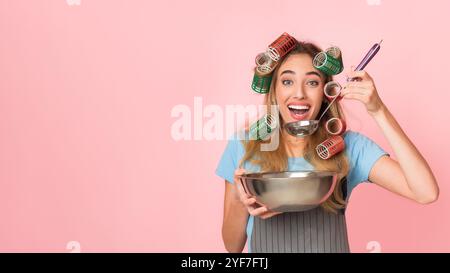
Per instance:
x=277, y=160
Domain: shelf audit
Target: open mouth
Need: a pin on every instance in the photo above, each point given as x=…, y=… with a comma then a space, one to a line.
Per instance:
x=298, y=112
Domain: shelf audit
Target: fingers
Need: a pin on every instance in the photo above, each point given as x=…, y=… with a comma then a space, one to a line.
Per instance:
x=361, y=84
x=362, y=91
x=239, y=172
x=353, y=90
x=257, y=211
x=237, y=181
x=263, y=212
x=269, y=214
x=362, y=74
x=361, y=88
x=356, y=96
x=249, y=201
x=253, y=207
x=243, y=195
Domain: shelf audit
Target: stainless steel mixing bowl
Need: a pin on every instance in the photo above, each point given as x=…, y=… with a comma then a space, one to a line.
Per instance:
x=290, y=191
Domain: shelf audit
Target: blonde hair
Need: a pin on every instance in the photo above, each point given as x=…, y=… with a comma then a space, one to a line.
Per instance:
x=277, y=160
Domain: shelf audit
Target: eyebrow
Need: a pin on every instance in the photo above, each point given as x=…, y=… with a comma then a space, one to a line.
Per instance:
x=307, y=73
x=313, y=73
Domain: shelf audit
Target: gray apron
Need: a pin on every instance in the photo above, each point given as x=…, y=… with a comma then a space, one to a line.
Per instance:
x=312, y=231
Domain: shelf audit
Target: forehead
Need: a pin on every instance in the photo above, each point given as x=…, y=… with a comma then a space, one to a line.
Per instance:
x=299, y=63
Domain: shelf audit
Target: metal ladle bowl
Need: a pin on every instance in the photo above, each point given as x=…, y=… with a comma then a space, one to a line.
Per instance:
x=302, y=128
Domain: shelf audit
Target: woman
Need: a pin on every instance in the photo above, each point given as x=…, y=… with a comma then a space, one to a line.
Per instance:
x=297, y=83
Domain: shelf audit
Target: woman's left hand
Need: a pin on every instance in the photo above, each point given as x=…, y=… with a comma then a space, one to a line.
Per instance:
x=364, y=90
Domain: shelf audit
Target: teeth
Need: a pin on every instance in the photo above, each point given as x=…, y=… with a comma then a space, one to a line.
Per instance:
x=298, y=107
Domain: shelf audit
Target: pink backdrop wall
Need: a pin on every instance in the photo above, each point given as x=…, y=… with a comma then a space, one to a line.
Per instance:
x=87, y=160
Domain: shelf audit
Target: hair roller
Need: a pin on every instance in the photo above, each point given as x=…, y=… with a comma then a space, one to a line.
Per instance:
x=330, y=147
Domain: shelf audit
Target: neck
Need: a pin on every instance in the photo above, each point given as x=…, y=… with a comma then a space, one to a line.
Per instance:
x=294, y=145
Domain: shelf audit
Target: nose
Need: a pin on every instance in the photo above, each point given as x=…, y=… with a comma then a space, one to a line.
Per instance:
x=299, y=93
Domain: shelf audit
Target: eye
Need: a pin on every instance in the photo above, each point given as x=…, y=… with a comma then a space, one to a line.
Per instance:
x=312, y=83
x=286, y=82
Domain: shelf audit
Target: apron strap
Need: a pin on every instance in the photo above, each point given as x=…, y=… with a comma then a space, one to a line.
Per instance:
x=344, y=191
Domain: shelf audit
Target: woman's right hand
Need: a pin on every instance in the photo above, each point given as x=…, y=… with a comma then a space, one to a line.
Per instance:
x=249, y=201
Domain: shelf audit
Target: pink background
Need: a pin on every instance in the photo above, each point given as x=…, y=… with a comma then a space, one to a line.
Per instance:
x=86, y=93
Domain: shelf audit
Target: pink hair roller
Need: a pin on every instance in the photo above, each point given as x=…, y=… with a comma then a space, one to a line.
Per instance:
x=281, y=46
x=331, y=90
x=330, y=147
x=265, y=64
x=335, y=126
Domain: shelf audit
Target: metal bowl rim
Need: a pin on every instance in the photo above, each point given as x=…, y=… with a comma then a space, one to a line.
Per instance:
x=308, y=174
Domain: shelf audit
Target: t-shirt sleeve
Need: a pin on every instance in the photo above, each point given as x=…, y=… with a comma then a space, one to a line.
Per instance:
x=363, y=153
x=230, y=159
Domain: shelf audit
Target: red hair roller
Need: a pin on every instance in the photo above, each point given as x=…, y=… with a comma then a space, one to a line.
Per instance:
x=330, y=147
x=281, y=46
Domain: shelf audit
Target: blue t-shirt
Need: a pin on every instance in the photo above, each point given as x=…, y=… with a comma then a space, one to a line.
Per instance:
x=361, y=151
